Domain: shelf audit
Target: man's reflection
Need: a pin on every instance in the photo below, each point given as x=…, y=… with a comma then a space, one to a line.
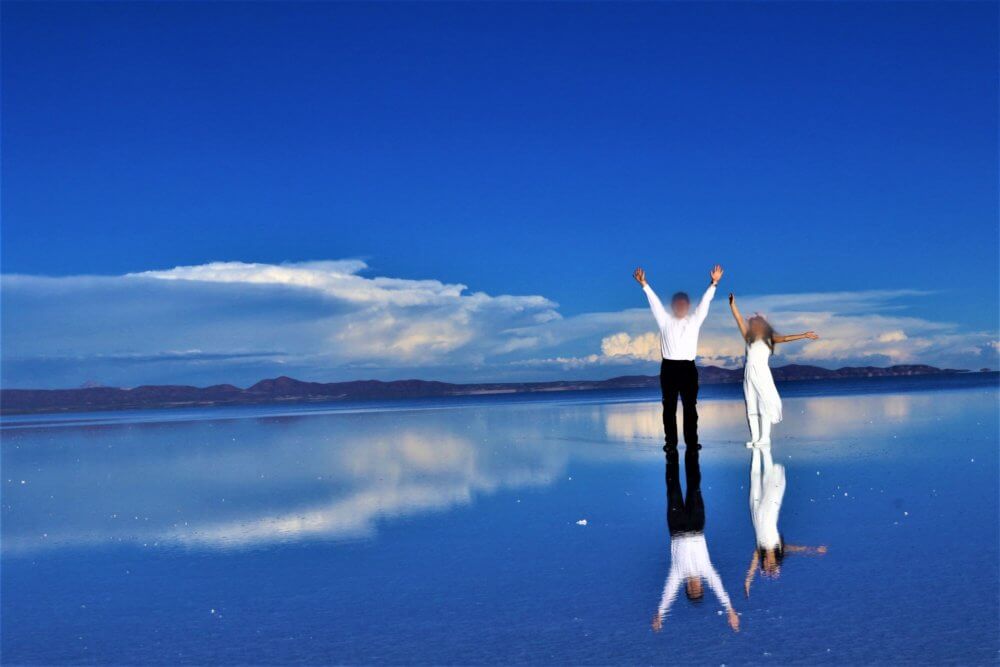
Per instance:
x=689, y=560
x=767, y=490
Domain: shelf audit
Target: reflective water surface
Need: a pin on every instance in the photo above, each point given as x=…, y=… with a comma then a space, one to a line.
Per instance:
x=539, y=532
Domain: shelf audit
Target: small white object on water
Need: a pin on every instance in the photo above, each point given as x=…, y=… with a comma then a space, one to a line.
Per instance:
x=906, y=514
x=211, y=611
x=581, y=522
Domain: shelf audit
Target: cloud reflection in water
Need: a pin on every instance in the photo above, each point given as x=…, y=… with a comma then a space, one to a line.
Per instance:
x=257, y=481
x=246, y=482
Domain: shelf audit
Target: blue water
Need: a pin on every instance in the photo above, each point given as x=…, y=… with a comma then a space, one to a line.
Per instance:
x=446, y=532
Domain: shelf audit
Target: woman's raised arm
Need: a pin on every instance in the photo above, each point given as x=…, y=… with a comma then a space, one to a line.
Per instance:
x=750, y=573
x=792, y=548
x=811, y=335
x=736, y=315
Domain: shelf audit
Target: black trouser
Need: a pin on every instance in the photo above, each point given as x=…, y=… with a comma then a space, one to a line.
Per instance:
x=679, y=378
x=684, y=515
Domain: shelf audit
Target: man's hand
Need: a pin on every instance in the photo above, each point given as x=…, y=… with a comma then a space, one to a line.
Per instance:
x=732, y=299
x=821, y=549
x=811, y=335
x=734, y=620
x=716, y=274
x=640, y=276
x=657, y=623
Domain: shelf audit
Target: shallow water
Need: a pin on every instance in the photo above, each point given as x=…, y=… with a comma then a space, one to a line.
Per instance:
x=451, y=535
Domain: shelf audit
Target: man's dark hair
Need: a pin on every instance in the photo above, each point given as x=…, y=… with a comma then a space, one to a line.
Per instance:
x=680, y=296
x=695, y=598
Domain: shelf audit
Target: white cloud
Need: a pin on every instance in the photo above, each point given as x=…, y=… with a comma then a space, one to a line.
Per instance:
x=854, y=327
x=237, y=322
x=339, y=280
x=643, y=347
x=399, y=319
x=892, y=336
x=311, y=318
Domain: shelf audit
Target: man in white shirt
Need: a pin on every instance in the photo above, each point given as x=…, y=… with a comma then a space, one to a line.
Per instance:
x=679, y=330
x=689, y=559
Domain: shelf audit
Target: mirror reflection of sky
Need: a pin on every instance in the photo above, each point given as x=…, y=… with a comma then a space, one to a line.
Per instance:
x=452, y=535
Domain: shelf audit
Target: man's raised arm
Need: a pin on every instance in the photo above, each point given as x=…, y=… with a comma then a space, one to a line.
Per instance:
x=701, y=312
x=659, y=312
x=671, y=588
x=715, y=583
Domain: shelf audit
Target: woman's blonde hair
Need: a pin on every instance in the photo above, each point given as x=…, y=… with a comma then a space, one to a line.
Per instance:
x=768, y=331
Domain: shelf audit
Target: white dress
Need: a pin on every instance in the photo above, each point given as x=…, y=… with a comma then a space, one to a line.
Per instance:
x=767, y=490
x=758, y=386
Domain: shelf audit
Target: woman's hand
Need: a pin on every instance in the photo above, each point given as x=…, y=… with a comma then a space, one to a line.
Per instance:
x=732, y=299
x=640, y=276
x=811, y=335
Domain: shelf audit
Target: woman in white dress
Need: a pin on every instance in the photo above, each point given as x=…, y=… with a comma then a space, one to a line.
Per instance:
x=767, y=491
x=763, y=402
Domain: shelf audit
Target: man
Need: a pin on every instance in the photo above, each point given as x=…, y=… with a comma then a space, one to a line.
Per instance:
x=679, y=346
x=689, y=560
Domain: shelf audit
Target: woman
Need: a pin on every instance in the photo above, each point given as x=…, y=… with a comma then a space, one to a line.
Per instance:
x=767, y=490
x=763, y=402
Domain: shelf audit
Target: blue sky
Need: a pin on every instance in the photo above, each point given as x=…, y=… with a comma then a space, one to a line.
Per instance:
x=847, y=152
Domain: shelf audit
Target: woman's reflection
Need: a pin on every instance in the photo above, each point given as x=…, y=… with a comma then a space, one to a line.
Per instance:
x=689, y=560
x=767, y=490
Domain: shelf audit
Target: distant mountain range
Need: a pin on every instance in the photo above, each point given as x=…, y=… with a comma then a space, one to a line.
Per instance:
x=286, y=390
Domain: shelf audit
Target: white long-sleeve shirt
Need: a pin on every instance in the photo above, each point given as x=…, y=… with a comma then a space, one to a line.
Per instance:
x=679, y=335
x=689, y=558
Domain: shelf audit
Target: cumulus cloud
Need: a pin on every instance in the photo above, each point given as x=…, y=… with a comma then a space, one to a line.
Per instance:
x=643, y=347
x=308, y=317
x=335, y=279
x=394, y=318
x=856, y=328
x=237, y=322
x=896, y=336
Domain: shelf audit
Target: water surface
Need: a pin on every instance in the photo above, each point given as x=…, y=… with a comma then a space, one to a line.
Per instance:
x=443, y=532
